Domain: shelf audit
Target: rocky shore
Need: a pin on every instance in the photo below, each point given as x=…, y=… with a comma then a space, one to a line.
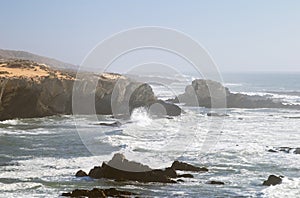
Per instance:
x=29, y=89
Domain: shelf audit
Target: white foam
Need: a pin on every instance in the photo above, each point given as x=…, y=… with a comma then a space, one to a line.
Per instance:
x=141, y=117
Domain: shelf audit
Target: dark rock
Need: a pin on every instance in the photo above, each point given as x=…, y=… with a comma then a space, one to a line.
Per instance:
x=186, y=176
x=96, y=192
x=81, y=173
x=179, y=180
x=121, y=169
x=272, y=151
x=216, y=183
x=108, y=172
x=162, y=108
x=119, y=161
x=187, y=167
x=272, y=180
x=114, y=124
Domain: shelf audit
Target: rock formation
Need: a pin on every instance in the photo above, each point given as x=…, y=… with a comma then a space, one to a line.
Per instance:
x=29, y=89
x=272, y=181
x=208, y=93
x=120, y=169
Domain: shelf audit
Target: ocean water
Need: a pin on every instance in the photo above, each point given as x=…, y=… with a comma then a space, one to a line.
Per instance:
x=39, y=157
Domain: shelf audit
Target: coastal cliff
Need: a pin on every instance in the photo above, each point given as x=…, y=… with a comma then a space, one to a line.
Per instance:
x=29, y=89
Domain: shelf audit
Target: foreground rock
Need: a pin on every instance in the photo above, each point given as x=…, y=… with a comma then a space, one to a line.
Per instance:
x=96, y=192
x=208, y=93
x=29, y=89
x=120, y=169
x=272, y=181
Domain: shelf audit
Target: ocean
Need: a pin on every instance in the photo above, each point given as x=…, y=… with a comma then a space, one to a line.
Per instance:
x=39, y=157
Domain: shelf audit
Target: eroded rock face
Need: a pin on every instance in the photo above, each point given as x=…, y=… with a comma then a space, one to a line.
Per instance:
x=207, y=93
x=29, y=89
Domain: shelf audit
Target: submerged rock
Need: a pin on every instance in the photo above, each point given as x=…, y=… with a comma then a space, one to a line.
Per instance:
x=272, y=180
x=216, y=183
x=97, y=192
x=216, y=114
x=114, y=124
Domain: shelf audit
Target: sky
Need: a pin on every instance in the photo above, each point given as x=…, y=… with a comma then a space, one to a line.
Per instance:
x=241, y=36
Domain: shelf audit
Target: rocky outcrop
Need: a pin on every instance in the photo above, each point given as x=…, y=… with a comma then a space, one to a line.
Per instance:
x=187, y=167
x=208, y=93
x=99, y=193
x=272, y=181
x=120, y=169
x=29, y=89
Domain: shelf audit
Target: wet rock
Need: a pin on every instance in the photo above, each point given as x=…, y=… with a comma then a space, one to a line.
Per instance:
x=186, y=176
x=162, y=108
x=96, y=192
x=121, y=169
x=81, y=173
x=119, y=161
x=216, y=183
x=272, y=180
x=109, y=172
x=182, y=166
x=114, y=124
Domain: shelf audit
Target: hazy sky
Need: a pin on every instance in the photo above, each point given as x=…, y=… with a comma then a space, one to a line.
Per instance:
x=251, y=35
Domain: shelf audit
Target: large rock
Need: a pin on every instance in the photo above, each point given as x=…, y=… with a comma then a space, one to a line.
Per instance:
x=108, y=172
x=208, y=93
x=121, y=169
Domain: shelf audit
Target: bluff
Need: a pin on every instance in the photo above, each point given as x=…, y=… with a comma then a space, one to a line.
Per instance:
x=29, y=89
